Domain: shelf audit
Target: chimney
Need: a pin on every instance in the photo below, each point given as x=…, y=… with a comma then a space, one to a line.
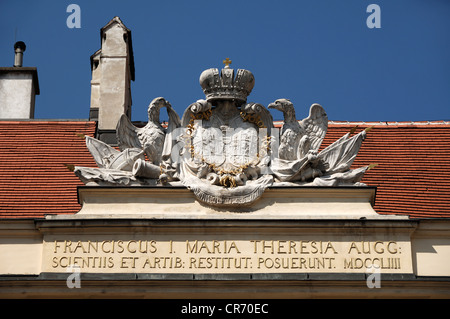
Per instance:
x=19, y=49
x=112, y=68
x=18, y=87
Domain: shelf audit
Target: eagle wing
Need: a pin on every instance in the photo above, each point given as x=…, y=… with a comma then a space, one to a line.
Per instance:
x=315, y=125
x=127, y=134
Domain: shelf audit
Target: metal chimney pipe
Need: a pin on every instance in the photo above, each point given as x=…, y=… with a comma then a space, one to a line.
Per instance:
x=19, y=49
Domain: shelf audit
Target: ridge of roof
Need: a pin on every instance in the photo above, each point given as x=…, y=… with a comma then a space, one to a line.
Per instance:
x=391, y=123
x=381, y=123
x=276, y=122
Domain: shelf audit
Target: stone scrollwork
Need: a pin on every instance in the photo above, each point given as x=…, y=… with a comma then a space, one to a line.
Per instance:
x=227, y=151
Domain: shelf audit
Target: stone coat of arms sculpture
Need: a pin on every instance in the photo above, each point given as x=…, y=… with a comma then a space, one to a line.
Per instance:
x=225, y=150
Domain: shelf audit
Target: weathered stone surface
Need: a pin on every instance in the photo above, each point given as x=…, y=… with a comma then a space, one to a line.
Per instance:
x=18, y=88
x=225, y=150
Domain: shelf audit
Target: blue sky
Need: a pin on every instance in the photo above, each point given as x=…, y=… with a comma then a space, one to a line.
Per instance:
x=308, y=51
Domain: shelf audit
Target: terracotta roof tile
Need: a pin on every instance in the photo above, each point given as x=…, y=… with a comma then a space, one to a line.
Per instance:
x=413, y=172
x=33, y=178
x=412, y=176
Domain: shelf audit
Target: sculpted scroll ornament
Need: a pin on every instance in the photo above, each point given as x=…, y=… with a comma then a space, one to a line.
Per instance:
x=225, y=150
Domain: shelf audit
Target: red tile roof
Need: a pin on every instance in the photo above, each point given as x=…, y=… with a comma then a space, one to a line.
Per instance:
x=34, y=180
x=413, y=172
x=412, y=176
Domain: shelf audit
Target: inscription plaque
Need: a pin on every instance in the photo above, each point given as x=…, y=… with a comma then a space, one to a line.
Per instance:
x=243, y=254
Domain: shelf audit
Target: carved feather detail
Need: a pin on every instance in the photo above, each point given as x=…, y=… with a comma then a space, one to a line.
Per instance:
x=151, y=137
x=297, y=139
x=315, y=125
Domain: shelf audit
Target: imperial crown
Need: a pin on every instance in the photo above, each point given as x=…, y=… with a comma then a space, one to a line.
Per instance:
x=226, y=85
